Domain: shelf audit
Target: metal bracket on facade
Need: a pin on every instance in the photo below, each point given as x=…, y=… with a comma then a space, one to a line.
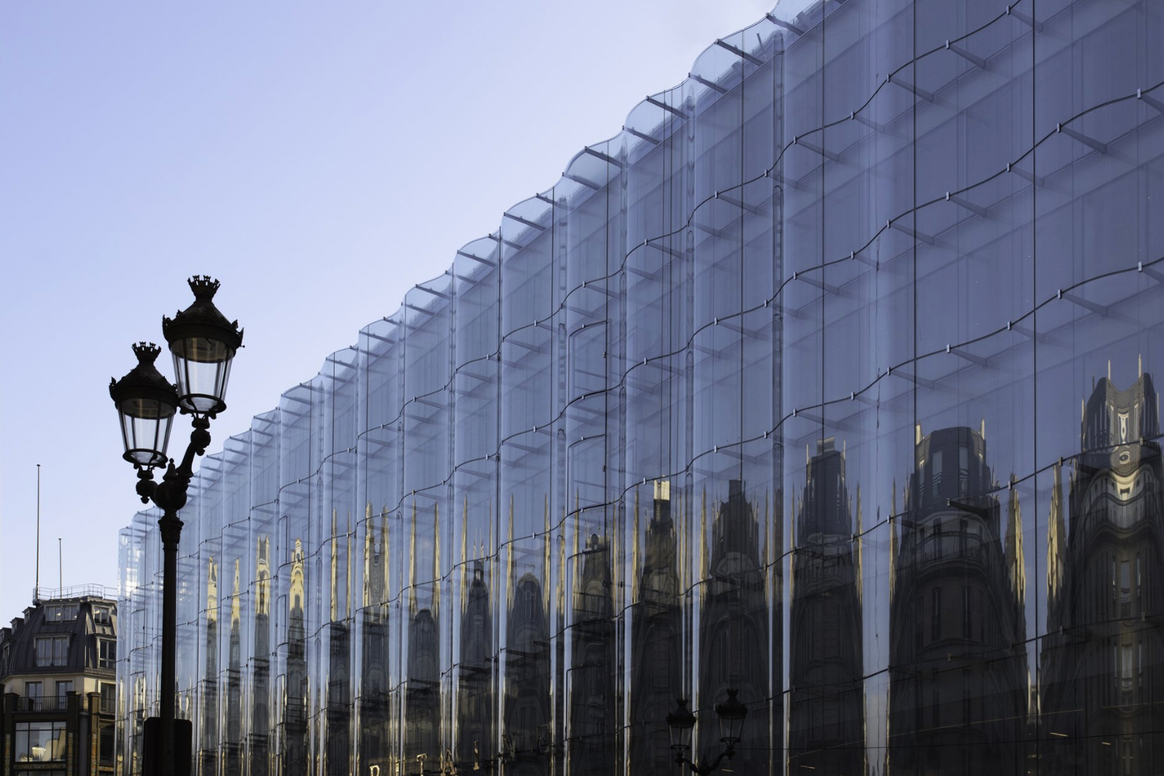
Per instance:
x=818, y=283
x=1038, y=180
x=1096, y=308
x=1031, y=22
x=709, y=84
x=967, y=355
x=822, y=151
x=861, y=117
x=524, y=221
x=641, y=135
x=604, y=157
x=470, y=256
x=1150, y=272
x=912, y=232
x=920, y=92
x=669, y=108
x=1090, y=142
x=1150, y=100
x=582, y=181
x=973, y=58
x=976, y=209
x=786, y=25
x=739, y=52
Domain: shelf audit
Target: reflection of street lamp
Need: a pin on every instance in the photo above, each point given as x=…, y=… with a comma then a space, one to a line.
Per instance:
x=203, y=343
x=681, y=722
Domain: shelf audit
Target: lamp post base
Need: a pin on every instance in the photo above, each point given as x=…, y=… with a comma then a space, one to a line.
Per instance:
x=153, y=754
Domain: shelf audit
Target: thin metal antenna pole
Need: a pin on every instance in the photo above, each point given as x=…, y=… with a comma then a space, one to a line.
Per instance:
x=60, y=565
x=36, y=587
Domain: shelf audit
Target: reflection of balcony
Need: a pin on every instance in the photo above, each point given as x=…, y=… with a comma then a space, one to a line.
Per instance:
x=951, y=548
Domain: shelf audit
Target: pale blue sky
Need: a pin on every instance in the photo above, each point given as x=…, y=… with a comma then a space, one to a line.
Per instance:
x=318, y=158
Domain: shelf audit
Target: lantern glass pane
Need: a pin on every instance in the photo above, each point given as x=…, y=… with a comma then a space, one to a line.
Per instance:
x=145, y=430
x=202, y=366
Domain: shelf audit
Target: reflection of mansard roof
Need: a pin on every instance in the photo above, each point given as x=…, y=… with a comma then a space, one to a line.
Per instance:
x=1115, y=417
x=735, y=531
x=950, y=465
x=825, y=509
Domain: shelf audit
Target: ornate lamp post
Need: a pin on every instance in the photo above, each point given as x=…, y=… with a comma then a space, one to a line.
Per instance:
x=203, y=343
x=681, y=723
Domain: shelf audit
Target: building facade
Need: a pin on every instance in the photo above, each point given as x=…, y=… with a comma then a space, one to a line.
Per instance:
x=58, y=701
x=561, y=486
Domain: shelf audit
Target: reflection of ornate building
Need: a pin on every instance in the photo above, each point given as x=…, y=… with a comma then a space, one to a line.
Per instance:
x=958, y=694
x=827, y=706
x=527, y=680
x=260, y=695
x=733, y=644
x=294, y=749
x=475, y=689
x=592, y=686
x=374, y=696
x=339, y=654
x=232, y=745
x=208, y=739
x=527, y=668
x=1102, y=688
x=656, y=671
x=422, y=698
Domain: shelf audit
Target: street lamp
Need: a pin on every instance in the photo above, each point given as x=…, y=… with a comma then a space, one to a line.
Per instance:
x=203, y=343
x=681, y=723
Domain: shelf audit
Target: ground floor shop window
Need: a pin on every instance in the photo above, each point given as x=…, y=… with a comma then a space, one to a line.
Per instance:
x=40, y=742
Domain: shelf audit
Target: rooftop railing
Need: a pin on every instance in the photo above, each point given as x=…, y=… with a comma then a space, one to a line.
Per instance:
x=40, y=594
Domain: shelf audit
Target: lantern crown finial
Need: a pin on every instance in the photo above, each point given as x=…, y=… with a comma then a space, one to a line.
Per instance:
x=146, y=352
x=203, y=286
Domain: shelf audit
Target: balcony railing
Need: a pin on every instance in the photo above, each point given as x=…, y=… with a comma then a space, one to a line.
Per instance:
x=42, y=703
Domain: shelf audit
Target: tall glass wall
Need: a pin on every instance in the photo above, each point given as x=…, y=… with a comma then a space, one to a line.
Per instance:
x=562, y=485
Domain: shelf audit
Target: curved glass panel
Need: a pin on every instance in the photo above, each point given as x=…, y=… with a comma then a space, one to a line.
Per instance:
x=562, y=486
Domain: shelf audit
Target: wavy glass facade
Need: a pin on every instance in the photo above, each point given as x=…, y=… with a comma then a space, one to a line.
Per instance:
x=828, y=379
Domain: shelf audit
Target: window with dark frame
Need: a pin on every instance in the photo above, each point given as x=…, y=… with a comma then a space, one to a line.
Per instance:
x=52, y=651
x=107, y=653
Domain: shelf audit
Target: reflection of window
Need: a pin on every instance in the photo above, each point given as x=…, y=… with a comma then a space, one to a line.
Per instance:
x=40, y=741
x=918, y=625
x=1125, y=588
x=107, y=653
x=1139, y=585
x=963, y=471
x=63, y=689
x=966, y=716
x=936, y=614
x=52, y=651
x=967, y=624
x=1113, y=584
x=936, y=473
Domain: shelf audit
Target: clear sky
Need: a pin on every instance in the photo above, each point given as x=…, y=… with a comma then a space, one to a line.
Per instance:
x=318, y=158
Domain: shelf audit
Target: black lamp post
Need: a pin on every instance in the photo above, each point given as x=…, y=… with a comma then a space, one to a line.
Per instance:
x=203, y=343
x=681, y=723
